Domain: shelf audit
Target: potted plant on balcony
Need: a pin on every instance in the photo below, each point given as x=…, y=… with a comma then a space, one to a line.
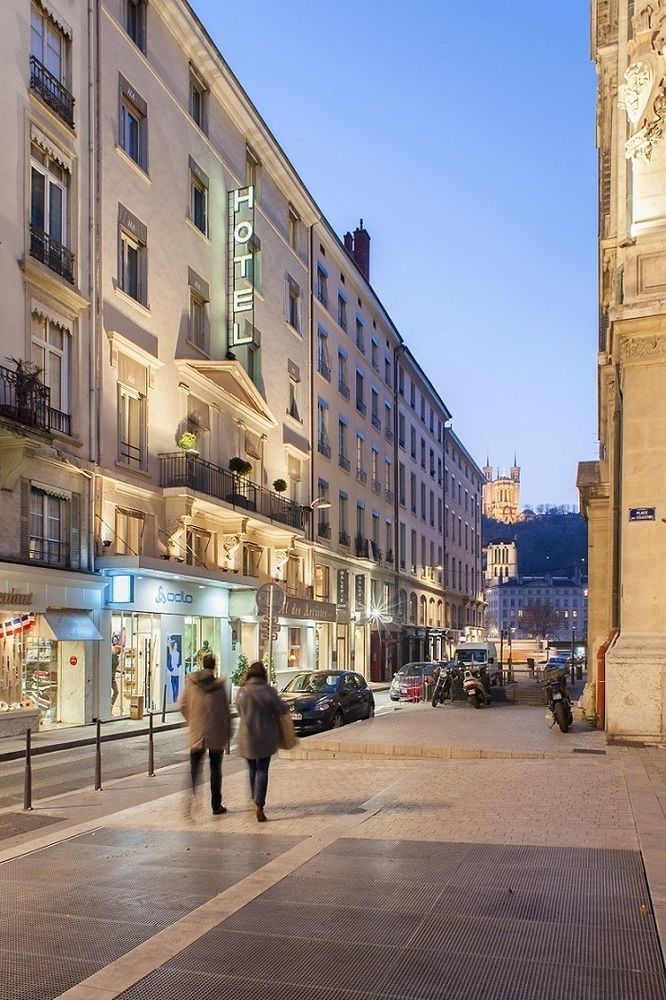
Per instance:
x=241, y=494
x=31, y=395
x=188, y=442
x=279, y=485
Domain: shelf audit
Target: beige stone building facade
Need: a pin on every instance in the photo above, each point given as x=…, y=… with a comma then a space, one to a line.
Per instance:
x=500, y=562
x=200, y=391
x=623, y=493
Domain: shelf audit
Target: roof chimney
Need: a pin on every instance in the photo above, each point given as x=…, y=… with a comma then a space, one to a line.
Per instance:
x=361, y=250
x=349, y=244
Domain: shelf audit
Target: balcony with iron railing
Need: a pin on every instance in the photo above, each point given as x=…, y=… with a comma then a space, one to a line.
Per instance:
x=344, y=538
x=324, y=370
x=343, y=462
x=49, y=251
x=361, y=546
x=324, y=529
x=389, y=495
x=361, y=407
x=376, y=422
x=361, y=475
x=324, y=448
x=189, y=471
x=388, y=434
x=343, y=389
x=25, y=399
x=376, y=486
x=389, y=556
x=49, y=88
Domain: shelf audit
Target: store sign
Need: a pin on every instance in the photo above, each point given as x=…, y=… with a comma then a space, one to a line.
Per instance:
x=12, y=597
x=170, y=597
x=359, y=592
x=164, y=596
x=640, y=514
x=343, y=590
x=242, y=243
x=73, y=660
x=304, y=608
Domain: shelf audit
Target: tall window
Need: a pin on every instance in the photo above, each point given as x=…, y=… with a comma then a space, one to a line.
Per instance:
x=294, y=407
x=49, y=527
x=374, y=354
x=343, y=513
x=131, y=427
x=322, y=286
x=360, y=402
x=198, y=101
x=402, y=545
x=133, y=131
x=198, y=197
x=129, y=531
x=359, y=453
x=132, y=256
x=49, y=184
x=293, y=304
x=342, y=442
x=51, y=354
x=343, y=378
x=197, y=542
x=198, y=333
x=135, y=22
x=342, y=311
x=323, y=366
x=360, y=336
x=294, y=229
x=49, y=70
x=322, y=428
x=252, y=170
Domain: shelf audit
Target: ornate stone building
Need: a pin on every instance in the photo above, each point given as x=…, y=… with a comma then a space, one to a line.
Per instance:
x=623, y=493
x=501, y=493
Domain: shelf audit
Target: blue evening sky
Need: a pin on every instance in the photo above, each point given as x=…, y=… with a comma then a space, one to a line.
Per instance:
x=463, y=134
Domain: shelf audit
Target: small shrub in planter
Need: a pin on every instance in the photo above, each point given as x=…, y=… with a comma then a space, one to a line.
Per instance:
x=187, y=441
x=239, y=466
x=280, y=485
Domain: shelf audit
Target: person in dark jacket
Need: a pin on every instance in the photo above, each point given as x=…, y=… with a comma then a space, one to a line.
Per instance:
x=206, y=708
x=259, y=706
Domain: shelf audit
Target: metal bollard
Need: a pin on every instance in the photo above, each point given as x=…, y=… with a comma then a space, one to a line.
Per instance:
x=27, y=782
x=164, y=703
x=151, y=749
x=98, y=758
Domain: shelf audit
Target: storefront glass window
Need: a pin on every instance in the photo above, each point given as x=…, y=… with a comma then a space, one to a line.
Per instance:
x=294, y=656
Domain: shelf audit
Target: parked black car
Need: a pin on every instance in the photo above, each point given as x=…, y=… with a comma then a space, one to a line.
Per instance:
x=326, y=699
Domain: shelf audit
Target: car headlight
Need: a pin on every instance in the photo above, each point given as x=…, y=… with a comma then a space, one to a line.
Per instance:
x=322, y=705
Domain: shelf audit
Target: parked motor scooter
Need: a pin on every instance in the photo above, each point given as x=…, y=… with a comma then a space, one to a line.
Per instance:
x=559, y=700
x=477, y=686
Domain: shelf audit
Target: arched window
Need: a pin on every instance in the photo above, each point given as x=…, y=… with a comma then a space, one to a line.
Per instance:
x=413, y=604
x=423, y=610
x=431, y=611
x=447, y=615
x=402, y=605
x=440, y=614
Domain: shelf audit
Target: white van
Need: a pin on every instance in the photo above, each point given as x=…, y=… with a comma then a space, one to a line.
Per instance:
x=470, y=654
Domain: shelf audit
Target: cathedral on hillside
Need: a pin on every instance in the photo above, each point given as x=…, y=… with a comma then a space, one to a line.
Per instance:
x=501, y=493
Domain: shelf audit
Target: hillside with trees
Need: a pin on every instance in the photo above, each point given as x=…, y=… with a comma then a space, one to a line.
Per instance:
x=551, y=540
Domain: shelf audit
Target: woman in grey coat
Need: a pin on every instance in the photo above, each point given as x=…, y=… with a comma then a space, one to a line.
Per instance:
x=259, y=706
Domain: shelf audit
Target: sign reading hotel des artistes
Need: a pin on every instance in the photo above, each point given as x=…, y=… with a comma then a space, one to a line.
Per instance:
x=242, y=250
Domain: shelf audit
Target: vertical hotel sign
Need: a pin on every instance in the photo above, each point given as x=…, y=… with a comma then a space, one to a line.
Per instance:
x=241, y=266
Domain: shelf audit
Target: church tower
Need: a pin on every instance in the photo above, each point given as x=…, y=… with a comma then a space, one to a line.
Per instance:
x=501, y=494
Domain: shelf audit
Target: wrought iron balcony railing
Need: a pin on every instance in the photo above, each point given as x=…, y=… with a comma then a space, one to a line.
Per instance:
x=343, y=462
x=52, y=253
x=362, y=475
x=376, y=422
x=376, y=486
x=361, y=407
x=52, y=92
x=344, y=538
x=185, y=469
x=343, y=389
x=24, y=398
x=324, y=448
x=324, y=370
x=324, y=529
x=361, y=546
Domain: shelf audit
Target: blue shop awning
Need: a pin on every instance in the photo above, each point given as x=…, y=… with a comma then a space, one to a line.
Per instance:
x=70, y=626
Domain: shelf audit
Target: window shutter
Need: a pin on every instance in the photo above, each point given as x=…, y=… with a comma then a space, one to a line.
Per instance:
x=25, y=517
x=75, y=532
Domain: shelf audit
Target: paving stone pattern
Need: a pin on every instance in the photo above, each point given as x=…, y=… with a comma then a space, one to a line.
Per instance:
x=390, y=919
x=71, y=909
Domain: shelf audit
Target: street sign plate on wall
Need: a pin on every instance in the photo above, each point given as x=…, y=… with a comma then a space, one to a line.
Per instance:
x=642, y=513
x=263, y=598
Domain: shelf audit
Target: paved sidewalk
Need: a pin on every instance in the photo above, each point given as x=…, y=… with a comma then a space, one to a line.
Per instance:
x=68, y=737
x=495, y=878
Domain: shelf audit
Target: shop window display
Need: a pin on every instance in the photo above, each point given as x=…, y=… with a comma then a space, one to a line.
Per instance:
x=28, y=668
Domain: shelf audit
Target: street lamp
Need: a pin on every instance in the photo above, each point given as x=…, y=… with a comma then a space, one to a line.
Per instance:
x=573, y=648
x=320, y=503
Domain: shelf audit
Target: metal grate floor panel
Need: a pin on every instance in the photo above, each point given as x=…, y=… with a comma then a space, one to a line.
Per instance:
x=71, y=909
x=366, y=924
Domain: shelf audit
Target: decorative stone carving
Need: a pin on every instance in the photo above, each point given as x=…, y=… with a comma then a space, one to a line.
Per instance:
x=643, y=347
x=643, y=94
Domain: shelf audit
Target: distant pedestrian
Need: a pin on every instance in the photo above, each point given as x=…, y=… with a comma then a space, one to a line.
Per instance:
x=259, y=707
x=115, y=663
x=206, y=708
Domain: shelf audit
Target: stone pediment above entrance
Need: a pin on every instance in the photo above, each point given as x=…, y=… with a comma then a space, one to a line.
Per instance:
x=232, y=388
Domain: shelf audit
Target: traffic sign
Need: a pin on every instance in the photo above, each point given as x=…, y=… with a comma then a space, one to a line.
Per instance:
x=263, y=598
